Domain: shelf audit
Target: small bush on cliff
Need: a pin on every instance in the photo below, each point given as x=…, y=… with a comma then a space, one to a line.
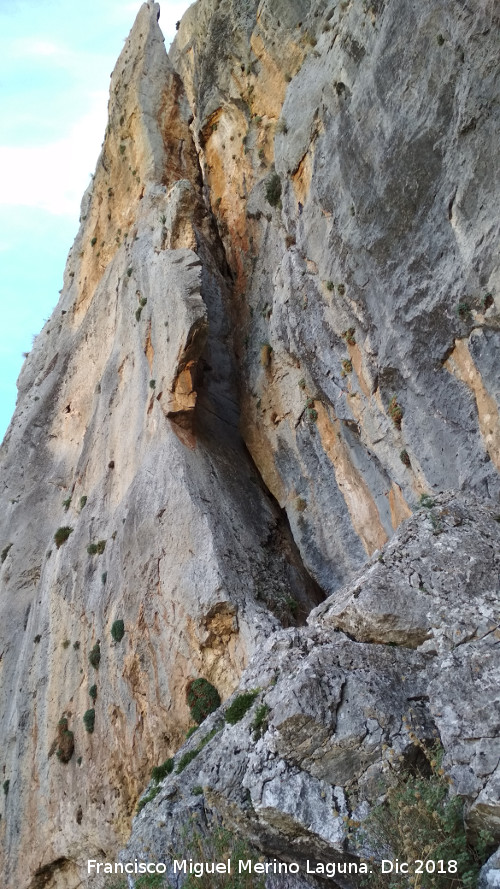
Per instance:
x=161, y=772
x=93, y=692
x=219, y=844
x=118, y=630
x=150, y=881
x=6, y=785
x=240, y=705
x=95, y=656
x=395, y=412
x=147, y=799
x=202, y=698
x=420, y=821
x=62, y=535
x=273, y=190
x=89, y=720
x=65, y=742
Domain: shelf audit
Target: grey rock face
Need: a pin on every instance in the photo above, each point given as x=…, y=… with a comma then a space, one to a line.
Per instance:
x=490, y=874
x=128, y=496
x=279, y=328
x=342, y=712
x=373, y=276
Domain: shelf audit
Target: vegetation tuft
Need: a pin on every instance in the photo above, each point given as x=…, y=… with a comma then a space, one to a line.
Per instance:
x=89, y=720
x=395, y=412
x=65, y=742
x=95, y=656
x=62, y=535
x=240, y=705
x=273, y=190
x=202, y=698
x=420, y=821
x=118, y=630
x=161, y=772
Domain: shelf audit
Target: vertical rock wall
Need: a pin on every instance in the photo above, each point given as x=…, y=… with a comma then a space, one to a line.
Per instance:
x=354, y=175
x=278, y=328
x=126, y=435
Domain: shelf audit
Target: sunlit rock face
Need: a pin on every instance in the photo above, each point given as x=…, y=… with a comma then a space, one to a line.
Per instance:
x=279, y=327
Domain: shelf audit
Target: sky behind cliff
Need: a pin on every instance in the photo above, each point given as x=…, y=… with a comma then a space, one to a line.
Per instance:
x=56, y=57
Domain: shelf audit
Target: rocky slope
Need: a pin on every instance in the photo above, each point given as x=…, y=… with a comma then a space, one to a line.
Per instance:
x=278, y=328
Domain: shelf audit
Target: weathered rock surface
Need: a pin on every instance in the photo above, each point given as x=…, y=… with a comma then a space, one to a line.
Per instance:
x=342, y=712
x=279, y=327
x=386, y=228
x=185, y=546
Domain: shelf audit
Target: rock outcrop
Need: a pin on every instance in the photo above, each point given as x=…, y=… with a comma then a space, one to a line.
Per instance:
x=370, y=681
x=278, y=330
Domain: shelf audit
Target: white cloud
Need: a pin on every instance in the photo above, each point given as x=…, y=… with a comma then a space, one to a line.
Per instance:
x=54, y=176
x=33, y=47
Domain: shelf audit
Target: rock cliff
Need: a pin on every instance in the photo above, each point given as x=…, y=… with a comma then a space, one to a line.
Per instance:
x=278, y=329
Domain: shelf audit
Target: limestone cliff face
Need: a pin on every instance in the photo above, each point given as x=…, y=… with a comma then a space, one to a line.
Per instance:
x=278, y=328
x=373, y=273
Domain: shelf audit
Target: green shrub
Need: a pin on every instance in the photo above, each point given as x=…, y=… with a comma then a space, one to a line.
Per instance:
x=219, y=844
x=191, y=731
x=150, y=881
x=464, y=311
x=66, y=643
x=76, y=645
x=65, y=742
x=95, y=656
x=83, y=501
x=310, y=411
x=138, y=313
x=405, y=457
x=346, y=366
x=62, y=535
x=419, y=820
x=197, y=790
x=6, y=785
x=273, y=190
x=161, y=772
x=67, y=503
x=202, y=698
x=89, y=720
x=185, y=759
x=330, y=285
x=118, y=630
x=93, y=242
x=152, y=384
x=93, y=692
x=147, y=799
x=98, y=548
x=426, y=501
x=240, y=705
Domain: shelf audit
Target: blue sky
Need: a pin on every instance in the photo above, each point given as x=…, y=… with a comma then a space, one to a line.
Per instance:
x=55, y=60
